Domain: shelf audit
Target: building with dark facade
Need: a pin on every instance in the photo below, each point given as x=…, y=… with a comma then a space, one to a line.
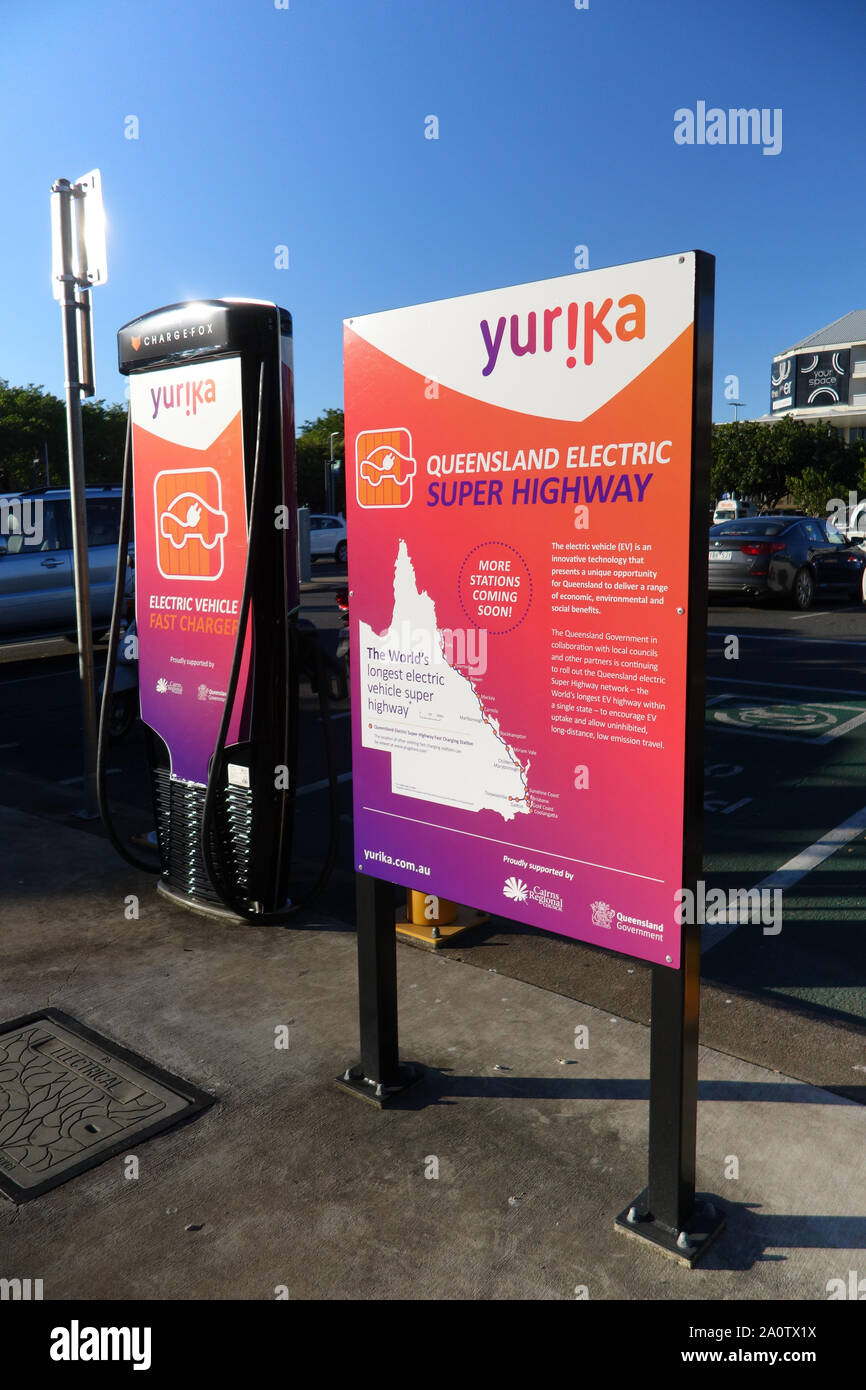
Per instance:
x=823, y=377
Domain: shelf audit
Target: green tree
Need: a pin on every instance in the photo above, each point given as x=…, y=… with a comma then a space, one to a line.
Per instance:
x=312, y=453
x=104, y=430
x=33, y=427
x=766, y=461
x=31, y=424
x=809, y=491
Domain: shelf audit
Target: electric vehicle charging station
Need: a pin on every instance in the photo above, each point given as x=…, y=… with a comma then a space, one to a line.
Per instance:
x=211, y=440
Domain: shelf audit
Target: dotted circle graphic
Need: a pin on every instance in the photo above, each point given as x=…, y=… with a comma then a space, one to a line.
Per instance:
x=502, y=545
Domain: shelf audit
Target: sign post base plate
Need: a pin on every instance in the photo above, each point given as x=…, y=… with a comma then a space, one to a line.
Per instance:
x=686, y=1246
x=355, y=1083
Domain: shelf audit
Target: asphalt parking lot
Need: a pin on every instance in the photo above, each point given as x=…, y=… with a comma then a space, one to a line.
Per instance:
x=785, y=806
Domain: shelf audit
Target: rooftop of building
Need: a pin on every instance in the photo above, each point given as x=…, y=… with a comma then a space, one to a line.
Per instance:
x=850, y=328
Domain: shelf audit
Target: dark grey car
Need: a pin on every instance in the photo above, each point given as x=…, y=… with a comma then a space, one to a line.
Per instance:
x=37, y=586
x=794, y=558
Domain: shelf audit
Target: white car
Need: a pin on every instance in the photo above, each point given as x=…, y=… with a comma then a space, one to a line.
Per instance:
x=730, y=510
x=328, y=538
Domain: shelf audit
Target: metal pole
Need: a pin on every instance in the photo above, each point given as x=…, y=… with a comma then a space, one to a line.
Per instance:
x=673, y=1102
x=377, y=981
x=668, y=1213
x=335, y=435
x=378, y=1077
x=75, y=445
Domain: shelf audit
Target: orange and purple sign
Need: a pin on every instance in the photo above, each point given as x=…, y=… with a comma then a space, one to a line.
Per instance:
x=523, y=594
x=190, y=552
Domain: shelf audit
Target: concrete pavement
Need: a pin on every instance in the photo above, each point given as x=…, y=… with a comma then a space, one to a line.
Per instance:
x=288, y=1182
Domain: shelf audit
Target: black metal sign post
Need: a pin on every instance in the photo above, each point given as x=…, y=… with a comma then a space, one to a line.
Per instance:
x=379, y=1077
x=667, y=1212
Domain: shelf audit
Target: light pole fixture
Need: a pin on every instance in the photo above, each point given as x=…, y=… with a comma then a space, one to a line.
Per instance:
x=78, y=263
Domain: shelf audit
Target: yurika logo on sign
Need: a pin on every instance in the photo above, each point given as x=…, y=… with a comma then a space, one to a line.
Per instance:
x=524, y=339
x=183, y=395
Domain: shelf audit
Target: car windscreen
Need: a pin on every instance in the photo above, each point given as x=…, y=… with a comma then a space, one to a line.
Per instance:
x=103, y=520
x=754, y=526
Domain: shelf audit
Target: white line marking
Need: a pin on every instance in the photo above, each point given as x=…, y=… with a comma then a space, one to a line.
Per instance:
x=787, y=685
x=793, y=871
x=760, y=636
x=320, y=786
x=530, y=849
x=803, y=863
x=798, y=617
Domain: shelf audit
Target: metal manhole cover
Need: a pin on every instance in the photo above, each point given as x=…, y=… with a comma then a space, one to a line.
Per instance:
x=70, y=1099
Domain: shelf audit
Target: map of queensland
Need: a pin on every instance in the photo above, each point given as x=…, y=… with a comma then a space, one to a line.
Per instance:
x=426, y=714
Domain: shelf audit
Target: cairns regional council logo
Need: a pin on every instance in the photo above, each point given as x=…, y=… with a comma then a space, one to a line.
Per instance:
x=515, y=889
x=602, y=914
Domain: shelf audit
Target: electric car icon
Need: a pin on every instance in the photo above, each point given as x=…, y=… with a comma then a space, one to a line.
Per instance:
x=189, y=518
x=386, y=468
x=386, y=463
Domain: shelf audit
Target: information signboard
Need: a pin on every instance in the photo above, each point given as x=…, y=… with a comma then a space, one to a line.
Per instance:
x=527, y=572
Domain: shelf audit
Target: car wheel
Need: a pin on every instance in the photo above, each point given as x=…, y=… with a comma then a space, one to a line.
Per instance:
x=863, y=584
x=803, y=589
x=341, y=553
x=124, y=712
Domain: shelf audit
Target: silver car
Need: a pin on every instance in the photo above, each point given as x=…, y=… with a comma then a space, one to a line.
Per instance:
x=37, y=583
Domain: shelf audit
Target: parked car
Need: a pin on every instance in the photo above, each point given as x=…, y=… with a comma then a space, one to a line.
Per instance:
x=328, y=538
x=792, y=557
x=730, y=509
x=37, y=577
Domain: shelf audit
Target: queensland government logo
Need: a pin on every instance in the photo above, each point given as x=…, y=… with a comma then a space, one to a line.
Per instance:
x=602, y=914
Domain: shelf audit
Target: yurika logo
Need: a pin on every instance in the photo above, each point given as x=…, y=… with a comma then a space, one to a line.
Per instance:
x=630, y=323
x=188, y=396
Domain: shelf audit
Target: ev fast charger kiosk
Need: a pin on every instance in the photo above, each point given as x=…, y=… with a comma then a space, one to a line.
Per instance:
x=217, y=594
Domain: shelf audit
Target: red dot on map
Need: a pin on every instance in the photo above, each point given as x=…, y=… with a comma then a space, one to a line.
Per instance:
x=571, y=361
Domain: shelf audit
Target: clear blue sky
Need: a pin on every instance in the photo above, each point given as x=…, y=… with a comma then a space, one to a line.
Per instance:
x=305, y=126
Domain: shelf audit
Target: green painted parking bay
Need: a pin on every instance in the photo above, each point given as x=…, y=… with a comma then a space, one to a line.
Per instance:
x=792, y=817
x=760, y=714
x=819, y=957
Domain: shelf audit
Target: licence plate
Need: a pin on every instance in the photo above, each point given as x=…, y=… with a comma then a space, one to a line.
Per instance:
x=721, y=554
